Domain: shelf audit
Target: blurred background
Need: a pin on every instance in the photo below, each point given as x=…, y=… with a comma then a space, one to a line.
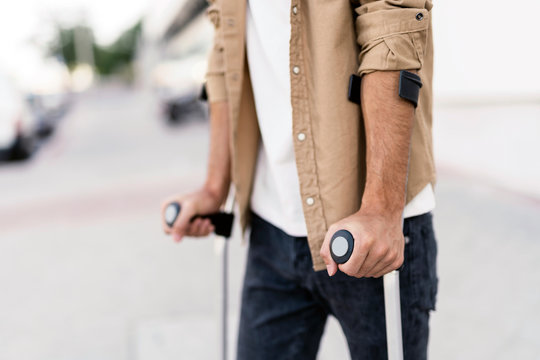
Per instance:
x=100, y=121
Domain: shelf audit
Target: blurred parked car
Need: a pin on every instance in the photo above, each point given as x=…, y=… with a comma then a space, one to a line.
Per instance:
x=18, y=127
x=178, y=82
x=48, y=110
x=47, y=85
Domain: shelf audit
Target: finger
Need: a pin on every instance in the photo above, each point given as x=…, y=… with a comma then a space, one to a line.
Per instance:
x=194, y=227
x=182, y=222
x=394, y=260
x=383, y=272
x=177, y=236
x=206, y=227
x=393, y=266
x=376, y=259
x=379, y=267
x=331, y=266
x=358, y=257
x=202, y=227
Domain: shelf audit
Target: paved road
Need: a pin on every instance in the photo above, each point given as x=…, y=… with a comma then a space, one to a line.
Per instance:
x=85, y=272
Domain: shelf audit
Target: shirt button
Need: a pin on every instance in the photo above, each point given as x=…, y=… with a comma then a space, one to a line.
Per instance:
x=310, y=201
x=296, y=70
x=294, y=9
x=419, y=16
x=301, y=136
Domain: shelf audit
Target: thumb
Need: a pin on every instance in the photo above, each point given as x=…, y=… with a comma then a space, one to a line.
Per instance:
x=331, y=266
x=181, y=225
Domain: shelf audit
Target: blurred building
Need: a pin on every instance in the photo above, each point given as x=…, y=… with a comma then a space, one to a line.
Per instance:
x=171, y=27
x=480, y=60
x=177, y=38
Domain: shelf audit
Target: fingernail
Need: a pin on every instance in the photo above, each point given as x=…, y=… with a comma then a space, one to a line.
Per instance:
x=328, y=270
x=176, y=237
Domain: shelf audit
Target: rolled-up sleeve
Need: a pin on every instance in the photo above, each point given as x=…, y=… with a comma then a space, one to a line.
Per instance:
x=215, y=73
x=392, y=34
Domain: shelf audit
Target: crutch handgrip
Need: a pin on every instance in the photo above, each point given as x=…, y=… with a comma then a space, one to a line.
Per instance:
x=222, y=221
x=341, y=246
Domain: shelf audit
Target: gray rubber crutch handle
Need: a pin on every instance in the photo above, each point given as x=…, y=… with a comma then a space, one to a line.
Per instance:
x=341, y=246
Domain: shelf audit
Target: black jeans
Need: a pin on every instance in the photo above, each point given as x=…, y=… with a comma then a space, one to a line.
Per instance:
x=285, y=303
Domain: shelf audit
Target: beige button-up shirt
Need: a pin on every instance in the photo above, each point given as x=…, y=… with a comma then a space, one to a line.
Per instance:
x=330, y=40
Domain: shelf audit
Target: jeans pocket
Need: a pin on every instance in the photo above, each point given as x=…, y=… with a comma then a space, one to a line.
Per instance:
x=421, y=264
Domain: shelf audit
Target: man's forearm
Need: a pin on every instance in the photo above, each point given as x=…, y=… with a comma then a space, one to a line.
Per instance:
x=388, y=123
x=218, y=175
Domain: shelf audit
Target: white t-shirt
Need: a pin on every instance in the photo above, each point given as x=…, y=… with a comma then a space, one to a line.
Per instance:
x=276, y=190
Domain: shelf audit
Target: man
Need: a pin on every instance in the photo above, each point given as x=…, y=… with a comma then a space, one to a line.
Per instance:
x=306, y=162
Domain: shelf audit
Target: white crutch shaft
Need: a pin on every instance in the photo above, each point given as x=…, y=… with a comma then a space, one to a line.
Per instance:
x=229, y=207
x=392, y=312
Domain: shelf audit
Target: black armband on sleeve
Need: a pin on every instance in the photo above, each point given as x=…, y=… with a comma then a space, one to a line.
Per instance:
x=409, y=86
x=354, y=88
x=203, y=95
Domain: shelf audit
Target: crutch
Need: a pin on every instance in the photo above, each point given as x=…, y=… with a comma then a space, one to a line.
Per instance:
x=341, y=245
x=223, y=222
x=341, y=248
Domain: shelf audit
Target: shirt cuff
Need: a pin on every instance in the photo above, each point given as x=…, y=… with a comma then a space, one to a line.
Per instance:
x=392, y=38
x=215, y=87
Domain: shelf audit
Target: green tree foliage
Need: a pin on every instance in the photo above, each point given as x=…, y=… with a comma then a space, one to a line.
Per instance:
x=107, y=60
x=63, y=46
